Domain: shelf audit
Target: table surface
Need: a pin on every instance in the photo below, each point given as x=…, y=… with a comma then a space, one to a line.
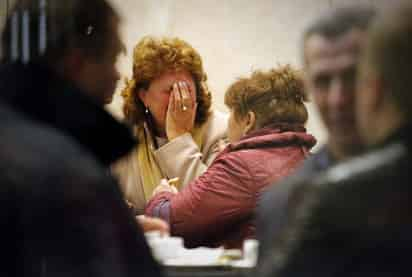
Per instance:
x=209, y=271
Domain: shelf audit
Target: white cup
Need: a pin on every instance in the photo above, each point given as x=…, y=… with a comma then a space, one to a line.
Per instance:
x=250, y=251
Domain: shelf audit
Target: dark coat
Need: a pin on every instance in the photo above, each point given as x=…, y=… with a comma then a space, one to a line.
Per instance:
x=353, y=220
x=61, y=214
x=218, y=207
x=40, y=94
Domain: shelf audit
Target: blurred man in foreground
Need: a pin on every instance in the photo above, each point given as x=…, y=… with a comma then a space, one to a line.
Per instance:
x=63, y=215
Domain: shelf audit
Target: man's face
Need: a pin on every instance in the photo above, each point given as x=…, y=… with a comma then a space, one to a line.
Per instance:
x=100, y=74
x=331, y=68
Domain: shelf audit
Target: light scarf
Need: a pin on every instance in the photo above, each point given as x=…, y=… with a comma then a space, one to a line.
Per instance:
x=151, y=174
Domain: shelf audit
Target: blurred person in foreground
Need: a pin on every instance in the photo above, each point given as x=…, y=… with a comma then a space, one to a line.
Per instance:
x=63, y=214
x=355, y=219
x=331, y=51
x=66, y=83
x=167, y=103
x=268, y=141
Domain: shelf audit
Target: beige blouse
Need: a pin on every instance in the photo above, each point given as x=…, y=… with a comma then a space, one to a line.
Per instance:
x=180, y=157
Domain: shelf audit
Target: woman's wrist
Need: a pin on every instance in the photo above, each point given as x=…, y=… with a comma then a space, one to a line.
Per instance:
x=171, y=135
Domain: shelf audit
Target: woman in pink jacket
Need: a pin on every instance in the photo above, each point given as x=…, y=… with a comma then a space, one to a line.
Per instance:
x=268, y=141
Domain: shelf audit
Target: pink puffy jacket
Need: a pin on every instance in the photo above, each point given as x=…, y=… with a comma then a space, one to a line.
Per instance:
x=218, y=207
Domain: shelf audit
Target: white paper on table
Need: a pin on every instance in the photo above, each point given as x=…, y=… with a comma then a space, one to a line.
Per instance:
x=201, y=256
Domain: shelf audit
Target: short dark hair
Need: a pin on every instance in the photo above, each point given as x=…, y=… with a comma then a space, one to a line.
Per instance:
x=55, y=26
x=341, y=20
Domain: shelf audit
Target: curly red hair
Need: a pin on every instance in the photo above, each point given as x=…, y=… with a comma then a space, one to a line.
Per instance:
x=153, y=56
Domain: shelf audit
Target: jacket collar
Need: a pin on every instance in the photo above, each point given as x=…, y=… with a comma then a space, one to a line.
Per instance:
x=277, y=134
x=39, y=93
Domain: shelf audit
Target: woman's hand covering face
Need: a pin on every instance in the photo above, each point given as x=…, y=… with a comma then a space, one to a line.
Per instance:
x=181, y=112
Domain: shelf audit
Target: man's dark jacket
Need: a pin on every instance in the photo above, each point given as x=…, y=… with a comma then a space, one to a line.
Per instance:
x=61, y=213
x=353, y=220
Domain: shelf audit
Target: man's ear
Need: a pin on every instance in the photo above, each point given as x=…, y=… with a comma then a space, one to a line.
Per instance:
x=250, y=122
